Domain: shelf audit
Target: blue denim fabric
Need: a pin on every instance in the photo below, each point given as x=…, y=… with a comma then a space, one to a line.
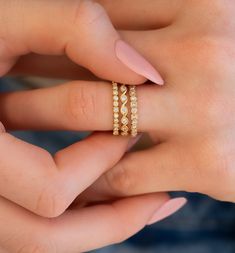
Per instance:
x=203, y=226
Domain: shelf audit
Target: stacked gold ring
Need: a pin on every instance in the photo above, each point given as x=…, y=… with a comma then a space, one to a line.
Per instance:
x=134, y=111
x=116, y=124
x=124, y=110
x=123, y=123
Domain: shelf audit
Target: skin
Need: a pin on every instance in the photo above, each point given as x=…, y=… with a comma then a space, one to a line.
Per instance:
x=37, y=189
x=191, y=116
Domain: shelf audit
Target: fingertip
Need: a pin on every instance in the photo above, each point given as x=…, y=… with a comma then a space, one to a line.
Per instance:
x=136, y=62
x=2, y=128
x=167, y=209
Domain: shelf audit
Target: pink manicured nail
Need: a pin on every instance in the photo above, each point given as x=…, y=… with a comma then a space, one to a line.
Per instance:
x=133, y=141
x=167, y=209
x=2, y=128
x=133, y=60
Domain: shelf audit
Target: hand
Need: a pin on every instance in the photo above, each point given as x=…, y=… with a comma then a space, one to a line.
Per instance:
x=192, y=116
x=36, y=188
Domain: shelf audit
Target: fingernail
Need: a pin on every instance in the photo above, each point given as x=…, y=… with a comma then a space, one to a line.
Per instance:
x=137, y=63
x=2, y=128
x=133, y=141
x=167, y=209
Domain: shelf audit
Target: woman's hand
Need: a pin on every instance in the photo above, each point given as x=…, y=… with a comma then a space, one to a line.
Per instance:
x=193, y=115
x=35, y=188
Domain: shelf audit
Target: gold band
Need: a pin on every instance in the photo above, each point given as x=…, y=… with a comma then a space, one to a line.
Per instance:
x=134, y=111
x=116, y=125
x=123, y=122
x=124, y=110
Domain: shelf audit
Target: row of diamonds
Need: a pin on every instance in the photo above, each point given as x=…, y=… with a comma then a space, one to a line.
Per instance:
x=116, y=125
x=134, y=111
x=124, y=111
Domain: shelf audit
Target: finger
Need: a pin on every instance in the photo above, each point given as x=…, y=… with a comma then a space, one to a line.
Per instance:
x=79, y=29
x=162, y=41
x=85, y=106
x=47, y=186
x=60, y=67
x=109, y=223
x=164, y=168
x=71, y=232
x=150, y=14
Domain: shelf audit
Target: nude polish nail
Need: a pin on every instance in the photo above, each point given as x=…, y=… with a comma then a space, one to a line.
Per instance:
x=169, y=208
x=137, y=63
x=2, y=128
x=133, y=141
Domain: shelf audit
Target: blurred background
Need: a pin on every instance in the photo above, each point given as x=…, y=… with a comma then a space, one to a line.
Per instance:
x=202, y=226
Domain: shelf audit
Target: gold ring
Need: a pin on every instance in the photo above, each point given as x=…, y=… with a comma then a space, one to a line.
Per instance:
x=125, y=97
x=134, y=111
x=124, y=110
x=116, y=125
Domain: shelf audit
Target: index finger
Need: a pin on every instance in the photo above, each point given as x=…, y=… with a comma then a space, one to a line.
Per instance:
x=32, y=178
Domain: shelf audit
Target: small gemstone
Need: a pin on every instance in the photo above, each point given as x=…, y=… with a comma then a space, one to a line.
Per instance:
x=134, y=121
x=124, y=110
x=124, y=133
x=134, y=126
x=115, y=98
x=132, y=91
x=115, y=133
x=124, y=128
x=116, y=115
x=133, y=99
x=123, y=98
x=115, y=109
x=132, y=94
x=116, y=125
x=134, y=110
x=116, y=121
x=125, y=121
x=134, y=116
x=133, y=104
x=123, y=88
x=115, y=92
x=115, y=103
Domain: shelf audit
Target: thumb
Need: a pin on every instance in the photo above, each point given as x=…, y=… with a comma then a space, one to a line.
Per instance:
x=79, y=28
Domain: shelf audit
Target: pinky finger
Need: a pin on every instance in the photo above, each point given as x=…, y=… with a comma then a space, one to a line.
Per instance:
x=102, y=225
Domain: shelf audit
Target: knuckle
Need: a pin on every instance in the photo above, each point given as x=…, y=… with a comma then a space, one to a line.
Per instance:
x=216, y=109
x=119, y=180
x=81, y=103
x=51, y=202
x=87, y=12
x=214, y=174
x=208, y=50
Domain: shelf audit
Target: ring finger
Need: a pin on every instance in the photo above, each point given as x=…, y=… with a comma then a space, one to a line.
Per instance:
x=81, y=105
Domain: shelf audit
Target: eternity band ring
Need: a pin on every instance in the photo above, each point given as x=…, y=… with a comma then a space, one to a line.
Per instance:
x=125, y=110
